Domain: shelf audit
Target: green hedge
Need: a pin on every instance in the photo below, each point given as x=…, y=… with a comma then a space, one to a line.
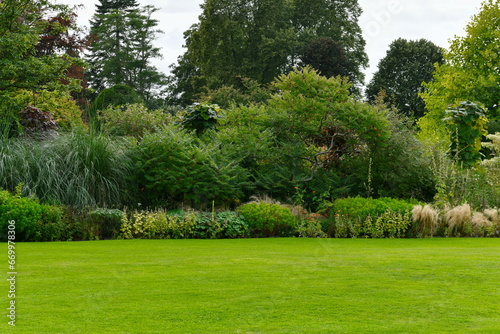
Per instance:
x=33, y=221
x=268, y=220
x=360, y=208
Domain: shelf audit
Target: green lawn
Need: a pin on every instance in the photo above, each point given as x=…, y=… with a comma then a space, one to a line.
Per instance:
x=257, y=286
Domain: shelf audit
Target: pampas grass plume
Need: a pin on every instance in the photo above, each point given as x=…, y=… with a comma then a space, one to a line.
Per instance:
x=458, y=217
x=426, y=219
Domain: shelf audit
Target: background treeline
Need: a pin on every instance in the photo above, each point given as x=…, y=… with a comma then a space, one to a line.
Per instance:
x=98, y=144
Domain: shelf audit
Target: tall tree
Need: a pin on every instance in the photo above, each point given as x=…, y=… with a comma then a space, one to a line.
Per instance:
x=329, y=58
x=470, y=72
x=401, y=73
x=122, y=47
x=336, y=20
x=261, y=39
x=22, y=25
x=62, y=36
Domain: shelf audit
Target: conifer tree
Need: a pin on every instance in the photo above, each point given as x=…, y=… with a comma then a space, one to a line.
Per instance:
x=122, y=47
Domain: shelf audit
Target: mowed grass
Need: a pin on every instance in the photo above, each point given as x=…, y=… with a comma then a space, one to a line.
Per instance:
x=257, y=286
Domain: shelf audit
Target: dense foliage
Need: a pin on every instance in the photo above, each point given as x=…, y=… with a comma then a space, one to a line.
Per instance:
x=23, y=67
x=470, y=71
x=33, y=221
x=260, y=133
x=402, y=71
x=268, y=219
x=262, y=39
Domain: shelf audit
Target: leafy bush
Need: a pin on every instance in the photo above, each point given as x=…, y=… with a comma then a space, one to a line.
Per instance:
x=388, y=225
x=343, y=226
x=60, y=105
x=131, y=120
x=201, y=117
x=226, y=224
x=36, y=121
x=317, y=124
x=158, y=225
x=268, y=219
x=33, y=221
x=311, y=227
x=108, y=221
x=175, y=167
x=399, y=168
x=360, y=208
x=51, y=226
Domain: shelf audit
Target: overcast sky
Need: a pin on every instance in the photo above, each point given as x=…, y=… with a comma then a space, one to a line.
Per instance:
x=382, y=22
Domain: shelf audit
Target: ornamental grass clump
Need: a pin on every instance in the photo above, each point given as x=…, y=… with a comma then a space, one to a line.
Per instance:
x=481, y=225
x=79, y=169
x=486, y=223
x=458, y=220
x=425, y=220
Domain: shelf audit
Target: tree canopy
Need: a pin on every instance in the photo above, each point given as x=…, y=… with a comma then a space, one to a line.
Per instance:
x=470, y=72
x=401, y=73
x=260, y=40
x=34, y=56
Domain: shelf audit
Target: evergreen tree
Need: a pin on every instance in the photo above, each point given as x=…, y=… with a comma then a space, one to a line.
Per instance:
x=122, y=47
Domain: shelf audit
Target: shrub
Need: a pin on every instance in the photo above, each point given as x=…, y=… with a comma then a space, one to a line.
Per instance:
x=267, y=219
x=78, y=226
x=51, y=226
x=201, y=117
x=62, y=108
x=158, y=225
x=226, y=224
x=344, y=226
x=361, y=208
x=34, y=221
x=107, y=221
x=36, y=121
x=399, y=168
x=388, y=225
x=175, y=167
x=311, y=226
x=132, y=120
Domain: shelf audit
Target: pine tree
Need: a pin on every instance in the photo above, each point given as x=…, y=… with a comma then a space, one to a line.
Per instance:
x=122, y=47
